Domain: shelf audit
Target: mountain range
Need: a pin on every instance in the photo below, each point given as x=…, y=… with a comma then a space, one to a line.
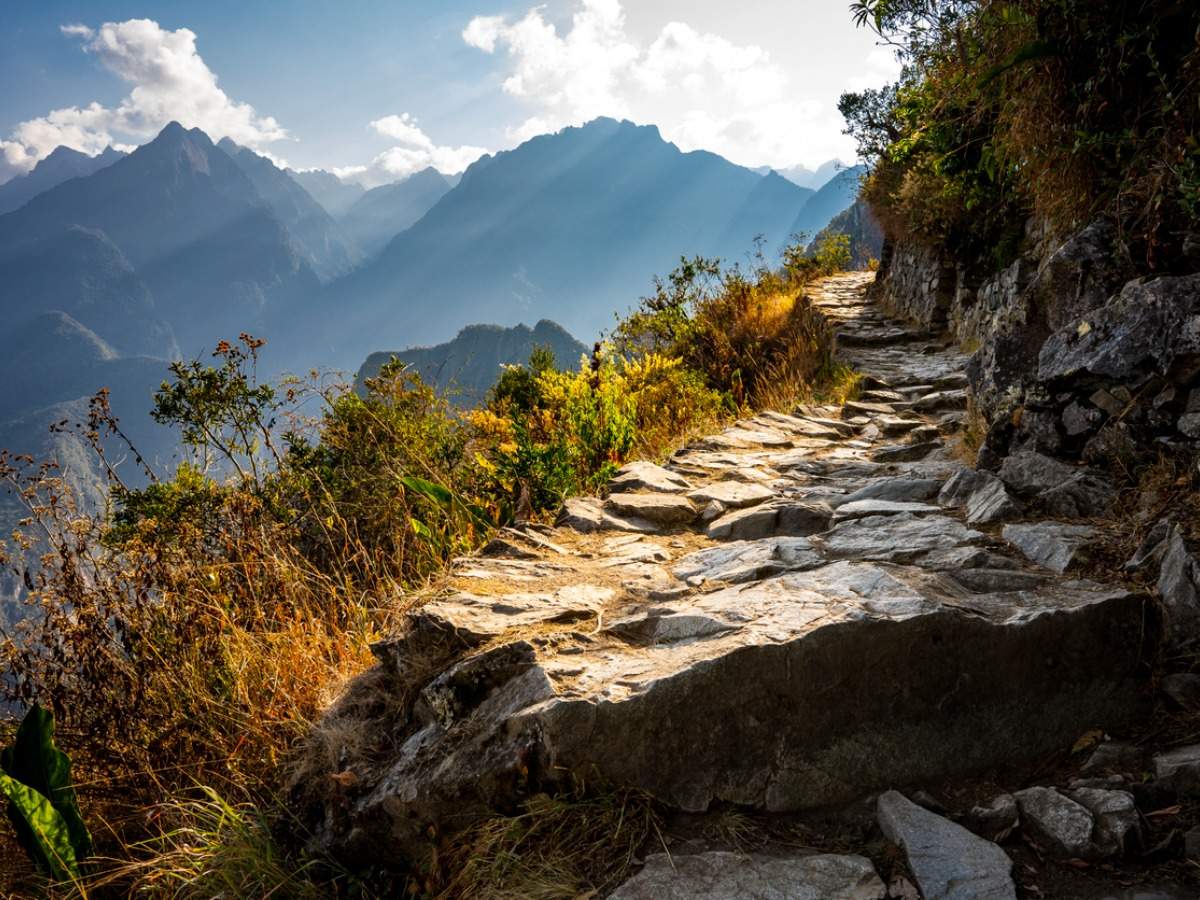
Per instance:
x=466, y=367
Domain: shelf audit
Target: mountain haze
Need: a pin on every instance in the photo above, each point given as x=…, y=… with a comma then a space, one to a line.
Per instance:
x=335, y=195
x=383, y=212
x=834, y=196
x=62, y=164
x=570, y=226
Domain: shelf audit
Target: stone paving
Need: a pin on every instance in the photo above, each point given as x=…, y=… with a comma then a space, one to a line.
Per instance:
x=809, y=607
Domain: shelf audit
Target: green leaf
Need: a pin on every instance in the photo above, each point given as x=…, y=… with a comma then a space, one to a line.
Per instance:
x=35, y=761
x=45, y=835
x=434, y=492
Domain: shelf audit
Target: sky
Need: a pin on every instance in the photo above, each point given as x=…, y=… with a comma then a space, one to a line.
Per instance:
x=377, y=89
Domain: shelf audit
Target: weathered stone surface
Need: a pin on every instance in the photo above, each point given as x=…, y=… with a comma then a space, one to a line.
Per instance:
x=1184, y=689
x=777, y=518
x=858, y=509
x=996, y=819
x=646, y=476
x=905, y=452
x=1064, y=825
x=741, y=561
x=899, y=538
x=1058, y=488
x=990, y=502
x=1115, y=819
x=1055, y=545
x=662, y=509
x=587, y=514
x=1179, y=769
x=1179, y=590
x=958, y=489
x=1114, y=757
x=940, y=401
x=900, y=490
x=1145, y=328
x=721, y=875
x=948, y=862
x=731, y=494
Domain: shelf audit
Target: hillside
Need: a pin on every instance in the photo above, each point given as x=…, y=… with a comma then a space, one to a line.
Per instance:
x=335, y=195
x=830, y=199
x=570, y=226
x=61, y=164
x=467, y=367
x=383, y=212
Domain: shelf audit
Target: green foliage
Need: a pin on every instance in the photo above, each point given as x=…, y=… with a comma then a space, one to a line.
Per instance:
x=41, y=797
x=1068, y=109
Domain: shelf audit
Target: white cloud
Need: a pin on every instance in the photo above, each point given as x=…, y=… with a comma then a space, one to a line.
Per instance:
x=170, y=81
x=701, y=89
x=879, y=68
x=414, y=150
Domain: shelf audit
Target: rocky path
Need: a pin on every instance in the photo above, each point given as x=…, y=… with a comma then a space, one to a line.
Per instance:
x=807, y=609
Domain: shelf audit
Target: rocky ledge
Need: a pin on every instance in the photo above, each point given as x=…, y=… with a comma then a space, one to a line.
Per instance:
x=798, y=612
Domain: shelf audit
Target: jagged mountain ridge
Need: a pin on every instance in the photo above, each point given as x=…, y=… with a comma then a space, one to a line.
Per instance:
x=570, y=226
x=335, y=195
x=62, y=164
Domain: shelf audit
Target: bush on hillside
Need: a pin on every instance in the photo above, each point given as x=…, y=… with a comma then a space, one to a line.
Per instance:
x=1068, y=109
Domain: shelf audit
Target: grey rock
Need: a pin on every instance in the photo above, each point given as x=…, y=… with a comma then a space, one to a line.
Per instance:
x=996, y=819
x=899, y=538
x=905, y=452
x=646, y=476
x=1179, y=769
x=745, y=524
x=1060, y=489
x=1105, y=401
x=1179, y=591
x=857, y=509
x=1055, y=545
x=1152, y=547
x=948, y=862
x=939, y=401
x=1115, y=817
x=852, y=408
x=741, y=561
x=901, y=490
x=721, y=875
x=958, y=489
x=967, y=557
x=1145, y=328
x=587, y=514
x=731, y=494
x=991, y=581
x=1114, y=757
x=662, y=509
x=1065, y=825
x=1079, y=419
x=1189, y=425
x=1184, y=689
x=991, y=502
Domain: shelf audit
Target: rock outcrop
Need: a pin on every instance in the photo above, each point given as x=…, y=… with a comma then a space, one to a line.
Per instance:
x=836, y=630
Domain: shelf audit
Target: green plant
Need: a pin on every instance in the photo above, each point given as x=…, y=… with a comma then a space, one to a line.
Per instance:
x=41, y=798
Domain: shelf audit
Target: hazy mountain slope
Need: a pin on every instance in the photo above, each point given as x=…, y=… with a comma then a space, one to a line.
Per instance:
x=833, y=197
x=470, y=364
x=62, y=164
x=383, y=212
x=314, y=230
x=860, y=225
x=335, y=195
x=81, y=272
x=813, y=179
x=770, y=208
x=569, y=226
x=190, y=223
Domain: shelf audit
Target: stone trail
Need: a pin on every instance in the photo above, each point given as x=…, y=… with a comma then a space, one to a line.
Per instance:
x=802, y=610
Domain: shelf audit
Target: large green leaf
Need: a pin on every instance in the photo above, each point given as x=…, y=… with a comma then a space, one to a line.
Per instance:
x=44, y=834
x=434, y=492
x=34, y=760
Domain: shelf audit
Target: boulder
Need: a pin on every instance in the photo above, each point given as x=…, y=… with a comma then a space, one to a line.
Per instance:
x=1115, y=819
x=662, y=509
x=990, y=502
x=776, y=518
x=898, y=538
x=721, y=875
x=958, y=489
x=857, y=509
x=900, y=490
x=741, y=561
x=940, y=401
x=731, y=494
x=1114, y=757
x=1179, y=769
x=905, y=452
x=1060, y=489
x=587, y=514
x=1148, y=327
x=1055, y=545
x=646, y=476
x=1062, y=823
x=948, y=862
x=1179, y=590
x=755, y=695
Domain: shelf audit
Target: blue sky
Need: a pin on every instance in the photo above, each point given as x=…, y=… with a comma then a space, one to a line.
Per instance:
x=374, y=89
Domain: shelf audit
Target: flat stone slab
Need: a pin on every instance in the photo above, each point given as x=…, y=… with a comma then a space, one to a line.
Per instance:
x=731, y=494
x=721, y=875
x=662, y=509
x=646, y=476
x=948, y=862
x=1054, y=545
